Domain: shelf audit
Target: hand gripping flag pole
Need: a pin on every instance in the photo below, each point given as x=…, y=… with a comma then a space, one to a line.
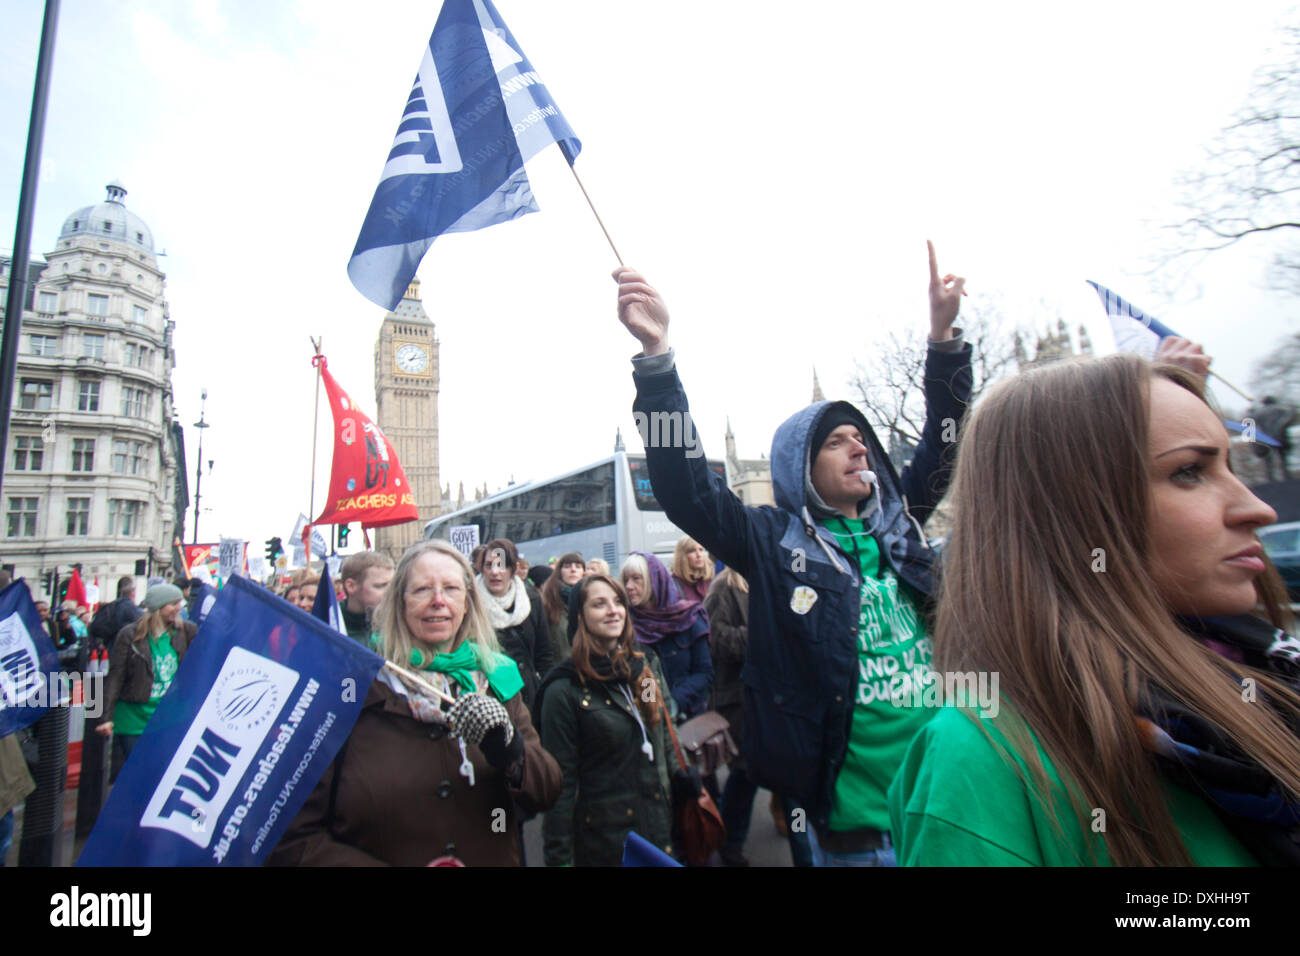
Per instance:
x=1135, y=331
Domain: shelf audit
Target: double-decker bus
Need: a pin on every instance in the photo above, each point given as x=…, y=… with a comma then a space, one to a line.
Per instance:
x=605, y=510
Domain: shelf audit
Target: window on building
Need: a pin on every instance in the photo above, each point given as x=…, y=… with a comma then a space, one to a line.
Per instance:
x=97, y=304
x=22, y=517
x=92, y=345
x=47, y=301
x=29, y=453
x=120, y=451
x=139, y=464
x=83, y=454
x=37, y=395
x=88, y=396
x=140, y=314
x=45, y=345
x=135, y=402
x=137, y=356
x=78, y=516
x=124, y=517
x=108, y=226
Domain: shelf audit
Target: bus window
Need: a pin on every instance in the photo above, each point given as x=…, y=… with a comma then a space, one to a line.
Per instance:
x=644, y=494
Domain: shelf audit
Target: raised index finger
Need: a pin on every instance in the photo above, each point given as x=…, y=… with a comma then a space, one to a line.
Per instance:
x=934, y=264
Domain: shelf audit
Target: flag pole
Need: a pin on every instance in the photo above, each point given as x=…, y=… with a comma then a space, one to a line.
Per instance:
x=567, y=155
x=315, y=423
x=1249, y=398
x=418, y=681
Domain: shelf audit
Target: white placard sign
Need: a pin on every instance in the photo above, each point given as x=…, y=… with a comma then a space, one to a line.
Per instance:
x=465, y=538
x=231, y=561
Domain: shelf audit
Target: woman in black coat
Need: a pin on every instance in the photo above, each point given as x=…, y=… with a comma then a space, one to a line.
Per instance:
x=603, y=720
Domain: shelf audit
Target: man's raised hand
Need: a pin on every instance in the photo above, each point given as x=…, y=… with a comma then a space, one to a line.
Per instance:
x=642, y=311
x=945, y=299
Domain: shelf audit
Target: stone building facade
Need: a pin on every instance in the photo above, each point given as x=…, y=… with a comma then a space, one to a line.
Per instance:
x=94, y=468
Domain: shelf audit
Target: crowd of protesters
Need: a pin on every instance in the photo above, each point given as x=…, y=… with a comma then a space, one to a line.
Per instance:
x=1107, y=636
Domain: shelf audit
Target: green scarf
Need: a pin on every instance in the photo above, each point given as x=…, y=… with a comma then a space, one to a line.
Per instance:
x=460, y=665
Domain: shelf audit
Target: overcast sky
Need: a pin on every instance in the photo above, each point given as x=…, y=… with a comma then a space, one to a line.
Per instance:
x=775, y=172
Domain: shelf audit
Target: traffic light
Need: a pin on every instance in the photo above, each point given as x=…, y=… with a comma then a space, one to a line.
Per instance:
x=343, y=536
x=273, y=548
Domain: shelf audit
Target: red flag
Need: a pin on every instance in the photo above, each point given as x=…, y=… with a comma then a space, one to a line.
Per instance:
x=366, y=481
x=201, y=555
x=76, y=589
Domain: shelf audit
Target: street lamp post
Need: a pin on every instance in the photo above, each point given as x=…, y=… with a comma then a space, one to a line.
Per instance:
x=198, y=470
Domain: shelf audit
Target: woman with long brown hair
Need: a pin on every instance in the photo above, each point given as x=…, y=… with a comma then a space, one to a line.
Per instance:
x=1104, y=579
x=142, y=663
x=602, y=720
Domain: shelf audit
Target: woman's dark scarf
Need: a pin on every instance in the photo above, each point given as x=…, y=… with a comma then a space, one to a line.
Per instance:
x=684, y=621
x=1195, y=754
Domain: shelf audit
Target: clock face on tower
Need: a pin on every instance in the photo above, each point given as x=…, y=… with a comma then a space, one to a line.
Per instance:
x=412, y=359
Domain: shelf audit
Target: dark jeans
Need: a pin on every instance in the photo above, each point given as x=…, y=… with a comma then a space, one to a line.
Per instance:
x=738, y=806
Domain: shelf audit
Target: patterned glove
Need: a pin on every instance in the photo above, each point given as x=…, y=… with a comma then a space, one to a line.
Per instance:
x=473, y=715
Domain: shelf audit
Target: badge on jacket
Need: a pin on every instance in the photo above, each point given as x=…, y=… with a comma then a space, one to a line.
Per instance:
x=802, y=600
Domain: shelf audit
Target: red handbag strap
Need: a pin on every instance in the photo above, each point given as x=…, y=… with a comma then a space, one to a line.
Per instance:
x=677, y=748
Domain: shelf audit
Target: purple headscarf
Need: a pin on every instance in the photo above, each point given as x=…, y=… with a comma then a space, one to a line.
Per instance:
x=684, y=621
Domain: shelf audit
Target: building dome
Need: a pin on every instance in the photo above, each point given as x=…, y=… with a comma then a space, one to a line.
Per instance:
x=110, y=220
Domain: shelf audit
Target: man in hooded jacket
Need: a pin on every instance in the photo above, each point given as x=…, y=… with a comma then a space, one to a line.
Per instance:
x=839, y=571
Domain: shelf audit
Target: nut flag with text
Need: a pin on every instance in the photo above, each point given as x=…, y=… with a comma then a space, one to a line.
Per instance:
x=366, y=480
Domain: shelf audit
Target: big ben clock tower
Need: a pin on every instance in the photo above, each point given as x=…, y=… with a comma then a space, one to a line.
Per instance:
x=406, y=392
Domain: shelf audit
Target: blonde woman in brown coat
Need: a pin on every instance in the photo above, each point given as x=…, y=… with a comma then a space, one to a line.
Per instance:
x=418, y=781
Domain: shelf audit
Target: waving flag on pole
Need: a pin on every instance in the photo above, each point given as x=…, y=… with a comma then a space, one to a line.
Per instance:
x=326, y=605
x=29, y=664
x=318, y=546
x=260, y=706
x=367, y=483
x=76, y=587
x=1134, y=330
x=477, y=110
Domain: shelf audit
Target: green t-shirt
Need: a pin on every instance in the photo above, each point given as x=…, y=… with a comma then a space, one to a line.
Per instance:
x=891, y=643
x=130, y=717
x=958, y=801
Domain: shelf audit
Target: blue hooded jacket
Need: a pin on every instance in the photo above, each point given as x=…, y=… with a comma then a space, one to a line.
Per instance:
x=801, y=662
